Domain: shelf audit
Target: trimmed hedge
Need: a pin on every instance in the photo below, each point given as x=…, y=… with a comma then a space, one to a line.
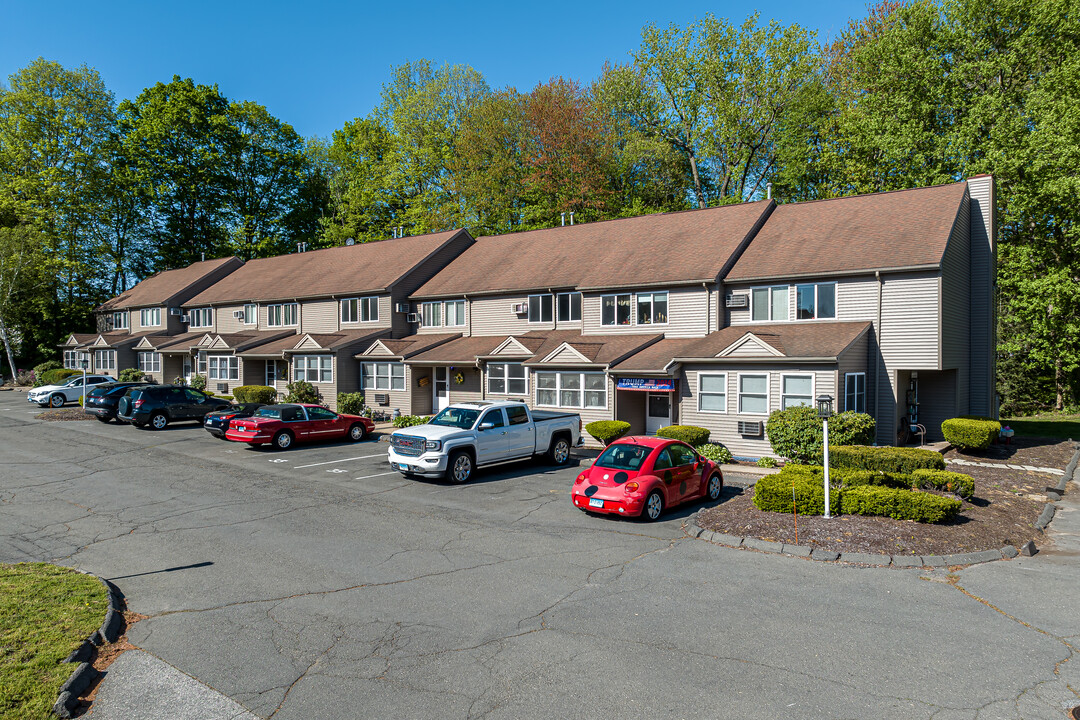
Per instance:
x=715, y=452
x=971, y=433
x=131, y=375
x=350, y=403
x=797, y=433
x=692, y=435
x=886, y=459
x=43, y=368
x=898, y=504
x=766, y=462
x=607, y=431
x=954, y=482
x=255, y=394
x=773, y=493
x=404, y=421
x=876, y=478
x=57, y=376
x=301, y=391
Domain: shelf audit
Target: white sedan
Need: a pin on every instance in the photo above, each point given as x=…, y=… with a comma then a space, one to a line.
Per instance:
x=68, y=391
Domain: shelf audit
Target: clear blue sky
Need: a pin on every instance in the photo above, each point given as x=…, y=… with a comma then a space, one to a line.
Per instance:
x=317, y=65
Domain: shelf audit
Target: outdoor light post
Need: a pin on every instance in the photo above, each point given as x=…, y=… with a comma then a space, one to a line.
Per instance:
x=84, y=362
x=824, y=411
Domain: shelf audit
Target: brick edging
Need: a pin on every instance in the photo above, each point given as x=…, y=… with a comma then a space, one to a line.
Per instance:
x=68, y=699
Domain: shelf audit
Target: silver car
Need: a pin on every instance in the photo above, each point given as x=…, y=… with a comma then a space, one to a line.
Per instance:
x=68, y=391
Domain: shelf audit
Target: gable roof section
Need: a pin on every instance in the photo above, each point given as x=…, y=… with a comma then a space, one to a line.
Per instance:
x=406, y=347
x=688, y=247
x=312, y=343
x=75, y=340
x=750, y=345
x=345, y=270
x=889, y=230
x=171, y=287
x=599, y=350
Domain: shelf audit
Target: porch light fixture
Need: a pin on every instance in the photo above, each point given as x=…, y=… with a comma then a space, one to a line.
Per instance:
x=825, y=411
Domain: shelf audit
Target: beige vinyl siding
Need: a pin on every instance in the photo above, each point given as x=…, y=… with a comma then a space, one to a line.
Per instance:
x=956, y=306
x=470, y=390
x=226, y=323
x=495, y=316
x=854, y=360
x=419, y=275
x=588, y=415
x=909, y=321
x=565, y=355
x=751, y=347
x=937, y=401
x=319, y=316
x=213, y=386
x=135, y=321
x=171, y=367
x=688, y=314
x=442, y=328
x=983, y=318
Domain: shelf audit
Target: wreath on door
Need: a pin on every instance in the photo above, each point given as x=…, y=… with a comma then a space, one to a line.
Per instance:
x=459, y=378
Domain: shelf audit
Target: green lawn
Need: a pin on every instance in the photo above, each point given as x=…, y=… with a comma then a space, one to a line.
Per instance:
x=45, y=612
x=1051, y=425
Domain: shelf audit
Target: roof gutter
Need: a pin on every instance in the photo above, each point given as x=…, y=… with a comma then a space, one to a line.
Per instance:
x=754, y=360
x=835, y=273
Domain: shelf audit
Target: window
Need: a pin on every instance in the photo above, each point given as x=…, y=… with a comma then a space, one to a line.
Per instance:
x=282, y=315
x=815, y=302
x=682, y=455
x=150, y=362
x=271, y=372
x=195, y=395
x=120, y=321
x=200, y=364
x=383, y=376
x=615, y=310
x=652, y=308
x=223, y=367
x=507, y=379
x=571, y=390
x=570, y=307
x=769, y=304
x=150, y=317
x=493, y=417
x=251, y=314
x=517, y=415
x=796, y=390
x=201, y=317
x=455, y=313
x=855, y=392
x=314, y=368
x=321, y=413
x=754, y=394
x=663, y=460
x=712, y=392
x=540, y=308
x=431, y=314
x=365, y=309
x=104, y=360
x=71, y=359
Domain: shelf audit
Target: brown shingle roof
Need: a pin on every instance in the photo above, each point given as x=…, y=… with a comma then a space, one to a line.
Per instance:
x=329, y=342
x=80, y=339
x=410, y=346
x=903, y=228
x=168, y=287
x=597, y=349
x=689, y=246
x=362, y=268
x=468, y=349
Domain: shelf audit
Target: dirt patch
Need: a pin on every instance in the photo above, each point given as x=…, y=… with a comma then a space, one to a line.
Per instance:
x=104, y=656
x=1003, y=511
x=64, y=415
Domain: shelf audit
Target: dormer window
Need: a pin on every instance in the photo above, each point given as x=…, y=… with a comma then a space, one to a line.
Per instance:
x=815, y=302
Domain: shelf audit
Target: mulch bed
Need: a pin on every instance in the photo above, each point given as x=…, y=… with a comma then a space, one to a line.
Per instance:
x=64, y=415
x=1002, y=512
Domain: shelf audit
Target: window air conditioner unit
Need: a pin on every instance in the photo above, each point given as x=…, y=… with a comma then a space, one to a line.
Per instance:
x=738, y=301
x=750, y=428
x=174, y=311
x=183, y=318
x=413, y=317
x=238, y=314
x=521, y=308
x=223, y=387
x=403, y=307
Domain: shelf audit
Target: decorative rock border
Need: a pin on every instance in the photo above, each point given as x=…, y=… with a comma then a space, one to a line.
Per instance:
x=1072, y=472
x=85, y=673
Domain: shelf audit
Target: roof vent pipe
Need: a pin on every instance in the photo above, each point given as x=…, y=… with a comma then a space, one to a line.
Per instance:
x=401, y=231
x=571, y=217
x=562, y=216
x=203, y=256
x=768, y=191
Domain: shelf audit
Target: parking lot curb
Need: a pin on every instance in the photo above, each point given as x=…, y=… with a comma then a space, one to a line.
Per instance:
x=68, y=699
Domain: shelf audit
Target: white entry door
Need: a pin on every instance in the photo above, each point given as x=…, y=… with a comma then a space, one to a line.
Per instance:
x=187, y=369
x=441, y=388
x=657, y=411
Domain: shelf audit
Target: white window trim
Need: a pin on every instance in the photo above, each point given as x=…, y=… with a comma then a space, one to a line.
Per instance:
x=307, y=369
x=864, y=392
x=255, y=315
x=389, y=377
x=123, y=317
x=71, y=359
x=360, y=302
x=228, y=368
x=270, y=311
x=505, y=379
x=155, y=315
x=836, y=304
x=633, y=309
x=637, y=301
x=446, y=313
x=581, y=304
x=154, y=364
x=768, y=303
x=528, y=303
x=559, y=388
x=110, y=360
x=713, y=392
x=347, y=303
x=739, y=393
x=199, y=313
x=813, y=386
x=267, y=373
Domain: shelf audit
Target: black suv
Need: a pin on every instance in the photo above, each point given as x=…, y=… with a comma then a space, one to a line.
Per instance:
x=159, y=405
x=101, y=401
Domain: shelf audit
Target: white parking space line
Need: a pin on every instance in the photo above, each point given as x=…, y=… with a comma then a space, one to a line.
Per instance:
x=331, y=462
x=365, y=477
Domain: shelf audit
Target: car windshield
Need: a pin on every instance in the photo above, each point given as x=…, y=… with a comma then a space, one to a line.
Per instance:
x=269, y=413
x=625, y=456
x=74, y=381
x=463, y=418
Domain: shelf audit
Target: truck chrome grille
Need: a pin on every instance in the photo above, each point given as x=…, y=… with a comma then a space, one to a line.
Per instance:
x=407, y=445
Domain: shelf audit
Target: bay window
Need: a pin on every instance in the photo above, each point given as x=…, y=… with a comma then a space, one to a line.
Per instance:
x=507, y=379
x=313, y=368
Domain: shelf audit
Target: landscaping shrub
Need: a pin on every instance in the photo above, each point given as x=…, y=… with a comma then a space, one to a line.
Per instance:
x=131, y=375
x=255, y=394
x=57, y=376
x=773, y=493
x=877, y=478
x=46, y=366
x=24, y=378
x=971, y=433
x=178, y=380
x=898, y=504
x=350, y=403
x=689, y=434
x=954, y=482
x=887, y=459
x=797, y=433
x=198, y=382
x=766, y=462
x=403, y=421
x=715, y=452
x=607, y=431
x=301, y=391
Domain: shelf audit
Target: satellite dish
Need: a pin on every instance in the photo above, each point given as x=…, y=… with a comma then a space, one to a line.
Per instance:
x=350, y=241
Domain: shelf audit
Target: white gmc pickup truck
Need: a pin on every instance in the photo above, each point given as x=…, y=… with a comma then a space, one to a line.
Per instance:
x=468, y=435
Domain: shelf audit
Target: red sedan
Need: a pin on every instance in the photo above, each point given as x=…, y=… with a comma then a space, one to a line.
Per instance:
x=641, y=476
x=282, y=425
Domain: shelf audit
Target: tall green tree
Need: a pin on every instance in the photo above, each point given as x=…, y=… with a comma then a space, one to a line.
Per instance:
x=25, y=271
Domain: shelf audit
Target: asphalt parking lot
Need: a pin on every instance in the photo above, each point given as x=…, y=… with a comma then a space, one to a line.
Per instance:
x=317, y=583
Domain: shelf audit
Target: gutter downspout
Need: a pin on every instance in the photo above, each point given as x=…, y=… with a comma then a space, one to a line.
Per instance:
x=877, y=341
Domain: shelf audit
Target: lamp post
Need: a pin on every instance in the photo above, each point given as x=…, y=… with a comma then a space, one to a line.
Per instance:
x=84, y=362
x=824, y=411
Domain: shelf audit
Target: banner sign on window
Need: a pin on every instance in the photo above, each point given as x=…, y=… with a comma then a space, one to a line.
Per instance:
x=652, y=384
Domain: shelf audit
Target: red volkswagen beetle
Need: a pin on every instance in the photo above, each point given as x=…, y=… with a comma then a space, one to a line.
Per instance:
x=282, y=425
x=641, y=476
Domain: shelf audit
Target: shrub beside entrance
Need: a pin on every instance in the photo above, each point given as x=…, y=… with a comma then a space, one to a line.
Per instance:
x=797, y=432
x=971, y=433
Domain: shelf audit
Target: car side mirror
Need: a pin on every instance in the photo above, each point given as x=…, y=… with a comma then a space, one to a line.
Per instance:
x=486, y=426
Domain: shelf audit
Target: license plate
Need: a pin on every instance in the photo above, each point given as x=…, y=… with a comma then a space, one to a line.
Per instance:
x=593, y=502
x=209, y=422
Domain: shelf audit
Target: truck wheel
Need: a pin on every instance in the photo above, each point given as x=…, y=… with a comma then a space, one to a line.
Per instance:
x=559, y=452
x=459, y=467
